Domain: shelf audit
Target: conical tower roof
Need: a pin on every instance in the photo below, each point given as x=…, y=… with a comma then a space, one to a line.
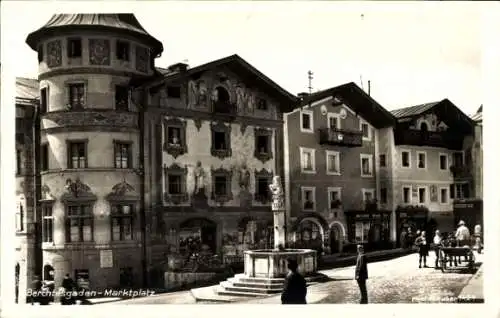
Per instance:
x=120, y=23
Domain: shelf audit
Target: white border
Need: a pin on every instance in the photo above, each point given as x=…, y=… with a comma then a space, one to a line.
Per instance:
x=490, y=50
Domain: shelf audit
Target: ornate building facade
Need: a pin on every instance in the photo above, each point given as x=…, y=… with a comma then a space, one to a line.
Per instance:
x=136, y=163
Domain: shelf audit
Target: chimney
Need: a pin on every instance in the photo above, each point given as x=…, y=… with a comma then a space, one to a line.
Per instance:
x=369, y=87
x=178, y=67
x=303, y=95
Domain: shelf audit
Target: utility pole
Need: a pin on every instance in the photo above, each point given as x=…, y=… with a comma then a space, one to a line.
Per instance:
x=310, y=78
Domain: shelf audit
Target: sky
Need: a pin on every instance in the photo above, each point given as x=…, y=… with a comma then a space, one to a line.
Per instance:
x=411, y=52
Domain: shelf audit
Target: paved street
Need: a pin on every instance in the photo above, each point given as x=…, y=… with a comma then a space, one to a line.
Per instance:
x=394, y=281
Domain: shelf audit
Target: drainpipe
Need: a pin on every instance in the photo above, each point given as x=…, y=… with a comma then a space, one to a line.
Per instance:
x=35, y=173
x=142, y=209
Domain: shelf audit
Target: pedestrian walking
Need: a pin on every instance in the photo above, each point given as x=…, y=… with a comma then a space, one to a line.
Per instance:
x=295, y=288
x=361, y=274
x=437, y=241
x=423, y=249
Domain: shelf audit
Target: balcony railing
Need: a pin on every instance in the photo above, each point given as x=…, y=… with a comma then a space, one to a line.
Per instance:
x=441, y=139
x=340, y=137
x=460, y=172
x=224, y=109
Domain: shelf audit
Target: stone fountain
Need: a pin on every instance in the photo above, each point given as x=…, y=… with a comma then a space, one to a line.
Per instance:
x=265, y=270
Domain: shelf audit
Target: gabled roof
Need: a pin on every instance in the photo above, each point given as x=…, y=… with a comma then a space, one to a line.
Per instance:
x=360, y=102
x=125, y=23
x=412, y=110
x=240, y=67
x=446, y=111
x=27, y=90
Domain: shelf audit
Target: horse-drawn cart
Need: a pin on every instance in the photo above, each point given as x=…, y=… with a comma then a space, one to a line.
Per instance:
x=448, y=257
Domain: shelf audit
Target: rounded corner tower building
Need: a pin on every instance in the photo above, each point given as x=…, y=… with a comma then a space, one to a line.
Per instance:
x=90, y=187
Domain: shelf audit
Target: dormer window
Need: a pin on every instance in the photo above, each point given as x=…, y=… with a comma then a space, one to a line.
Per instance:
x=74, y=48
x=122, y=50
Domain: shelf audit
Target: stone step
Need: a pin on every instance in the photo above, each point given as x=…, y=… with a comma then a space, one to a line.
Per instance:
x=243, y=278
x=249, y=289
x=258, y=284
x=222, y=291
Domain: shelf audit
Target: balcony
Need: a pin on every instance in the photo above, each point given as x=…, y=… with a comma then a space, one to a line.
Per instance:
x=460, y=172
x=441, y=139
x=340, y=137
x=224, y=109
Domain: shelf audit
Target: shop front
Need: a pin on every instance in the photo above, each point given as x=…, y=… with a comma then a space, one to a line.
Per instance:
x=470, y=211
x=411, y=218
x=371, y=229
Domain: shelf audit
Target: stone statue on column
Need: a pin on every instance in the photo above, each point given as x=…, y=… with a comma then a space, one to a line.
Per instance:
x=278, y=208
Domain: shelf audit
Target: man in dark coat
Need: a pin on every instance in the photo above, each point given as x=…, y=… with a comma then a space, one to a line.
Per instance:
x=362, y=274
x=68, y=284
x=36, y=290
x=295, y=288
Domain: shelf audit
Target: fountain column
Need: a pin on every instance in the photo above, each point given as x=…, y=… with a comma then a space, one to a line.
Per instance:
x=278, y=208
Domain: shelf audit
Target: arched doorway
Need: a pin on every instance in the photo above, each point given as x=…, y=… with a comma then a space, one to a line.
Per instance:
x=222, y=100
x=17, y=272
x=310, y=234
x=424, y=126
x=48, y=272
x=197, y=234
x=222, y=94
x=337, y=234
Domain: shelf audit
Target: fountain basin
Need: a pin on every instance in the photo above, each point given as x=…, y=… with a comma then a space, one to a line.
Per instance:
x=273, y=263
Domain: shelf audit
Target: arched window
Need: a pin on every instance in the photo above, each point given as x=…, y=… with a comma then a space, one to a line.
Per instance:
x=222, y=94
x=424, y=127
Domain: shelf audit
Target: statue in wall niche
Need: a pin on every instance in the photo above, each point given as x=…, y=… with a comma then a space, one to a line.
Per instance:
x=215, y=95
x=197, y=93
x=163, y=97
x=241, y=97
x=244, y=177
x=278, y=203
x=199, y=179
x=250, y=102
x=192, y=94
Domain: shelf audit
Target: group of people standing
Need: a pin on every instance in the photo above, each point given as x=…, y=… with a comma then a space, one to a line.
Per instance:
x=459, y=238
x=43, y=293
